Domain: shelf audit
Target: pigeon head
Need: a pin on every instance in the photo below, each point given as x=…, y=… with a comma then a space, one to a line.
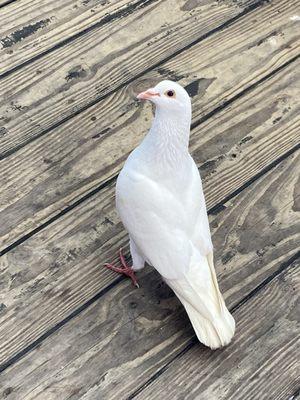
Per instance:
x=168, y=95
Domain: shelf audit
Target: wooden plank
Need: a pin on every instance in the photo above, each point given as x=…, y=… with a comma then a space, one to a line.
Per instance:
x=126, y=336
x=73, y=77
x=5, y=3
x=262, y=363
x=58, y=169
x=31, y=27
x=67, y=253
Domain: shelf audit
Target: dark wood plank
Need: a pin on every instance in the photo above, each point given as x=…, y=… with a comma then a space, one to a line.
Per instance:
x=126, y=336
x=57, y=86
x=5, y=3
x=58, y=169
x=61, y=262
x=262, y=363
x=31, y=27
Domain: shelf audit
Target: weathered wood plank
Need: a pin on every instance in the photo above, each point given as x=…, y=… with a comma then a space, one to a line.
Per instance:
x=120, y=341
x=31, y=27
x=262, y=363
x=57, y=86
x=59, y=168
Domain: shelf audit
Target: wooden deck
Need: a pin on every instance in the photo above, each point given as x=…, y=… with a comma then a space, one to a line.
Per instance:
x=69, y=72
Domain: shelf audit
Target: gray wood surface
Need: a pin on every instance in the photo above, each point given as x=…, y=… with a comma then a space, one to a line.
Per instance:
x=69, y=74
x=75, y=76
x=88, y=150
x=30, y=28
x=53, y=270
x=127, y=335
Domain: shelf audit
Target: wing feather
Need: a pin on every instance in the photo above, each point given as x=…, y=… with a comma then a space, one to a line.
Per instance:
x=165, y=226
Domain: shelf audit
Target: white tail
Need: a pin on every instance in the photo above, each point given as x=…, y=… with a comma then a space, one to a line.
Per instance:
x=216, y=333
x=198, y=291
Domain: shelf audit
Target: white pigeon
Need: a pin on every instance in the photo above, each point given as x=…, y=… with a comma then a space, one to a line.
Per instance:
x=160, y=200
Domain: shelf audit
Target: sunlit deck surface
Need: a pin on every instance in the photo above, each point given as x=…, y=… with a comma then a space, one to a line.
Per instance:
x=69, y=74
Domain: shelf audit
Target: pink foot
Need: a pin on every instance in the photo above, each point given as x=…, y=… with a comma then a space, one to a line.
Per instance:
x=124, y=269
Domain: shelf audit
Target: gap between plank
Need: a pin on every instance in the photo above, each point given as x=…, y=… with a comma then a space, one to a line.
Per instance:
x=195, y=124
x=219, y=28
x=103, y=21
x=83, y=307
x=219, y=206
x=7, y=3
x=57, y=216
x=285, y=265
x=295, y=395
x=243, y=92
x=119, y=279
x=214, y=210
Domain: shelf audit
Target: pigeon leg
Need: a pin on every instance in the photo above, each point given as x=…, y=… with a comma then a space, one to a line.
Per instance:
x=124, y=269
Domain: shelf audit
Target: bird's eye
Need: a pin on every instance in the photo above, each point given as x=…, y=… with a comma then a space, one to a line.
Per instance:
x=170, y=93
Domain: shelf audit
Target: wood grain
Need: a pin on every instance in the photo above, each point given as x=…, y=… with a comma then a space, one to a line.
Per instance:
x=126, y=336
x=31, y=27
x=69, y=328
x=58, y=169
x=59, y=85
x=261, y=363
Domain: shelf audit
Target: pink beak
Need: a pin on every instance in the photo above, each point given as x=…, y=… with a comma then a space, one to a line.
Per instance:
x=148, y=94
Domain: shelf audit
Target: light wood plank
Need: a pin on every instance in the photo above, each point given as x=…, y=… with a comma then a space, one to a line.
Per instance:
x=261, y=364
x=120, y=341
x=59, y=168
x=53, y=88
x=31, y=27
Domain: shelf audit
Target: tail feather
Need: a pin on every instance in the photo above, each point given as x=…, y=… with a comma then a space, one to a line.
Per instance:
x=199, y=292
x=216, y=333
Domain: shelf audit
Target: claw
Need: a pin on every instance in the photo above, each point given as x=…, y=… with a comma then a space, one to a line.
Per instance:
x=124, y=269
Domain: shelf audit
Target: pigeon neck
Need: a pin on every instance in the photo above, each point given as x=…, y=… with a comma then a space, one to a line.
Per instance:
x=168, y=138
